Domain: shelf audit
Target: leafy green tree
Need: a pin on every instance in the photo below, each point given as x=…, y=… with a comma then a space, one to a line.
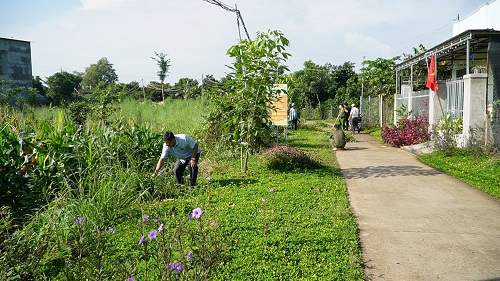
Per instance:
x=315, y=82
x=102, y=71
x=41, y=89
x=164, y=65
x=61, y=87
x=239, y=113
x=189, y=88
x=379, y=77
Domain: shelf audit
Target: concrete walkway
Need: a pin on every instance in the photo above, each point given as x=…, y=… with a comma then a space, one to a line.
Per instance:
x=415, y=222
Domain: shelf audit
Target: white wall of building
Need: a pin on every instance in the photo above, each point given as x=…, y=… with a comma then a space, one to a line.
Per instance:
x=487, y=16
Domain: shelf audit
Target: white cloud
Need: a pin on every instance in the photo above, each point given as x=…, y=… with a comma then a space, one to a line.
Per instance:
x=366, y=43
x=105, y=4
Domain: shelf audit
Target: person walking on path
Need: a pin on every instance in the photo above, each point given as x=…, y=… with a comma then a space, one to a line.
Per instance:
x=354, y=118
x=347, y=113
x=341, y=118
x=337, y=138
x=185, y=150
x=294, y=116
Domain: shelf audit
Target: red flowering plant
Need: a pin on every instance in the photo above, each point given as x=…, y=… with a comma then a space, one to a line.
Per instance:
x=408, y=131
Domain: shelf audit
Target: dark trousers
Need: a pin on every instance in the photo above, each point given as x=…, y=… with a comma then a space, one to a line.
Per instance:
x=294, y=124
x=181, y=167
x=355, y=124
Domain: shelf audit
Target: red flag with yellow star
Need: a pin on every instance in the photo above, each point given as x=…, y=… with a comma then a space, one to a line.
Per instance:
x=431, y=76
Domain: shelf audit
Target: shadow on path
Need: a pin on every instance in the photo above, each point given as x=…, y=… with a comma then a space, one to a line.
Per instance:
x=387, y=171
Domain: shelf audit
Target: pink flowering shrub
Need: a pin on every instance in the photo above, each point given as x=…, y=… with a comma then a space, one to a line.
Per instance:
x=288, y=158
x=408, y=131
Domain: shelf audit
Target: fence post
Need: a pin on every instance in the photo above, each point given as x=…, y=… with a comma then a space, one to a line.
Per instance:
x=474, y=102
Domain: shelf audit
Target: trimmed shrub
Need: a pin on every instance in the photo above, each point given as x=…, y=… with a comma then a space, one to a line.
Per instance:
x=288, y=158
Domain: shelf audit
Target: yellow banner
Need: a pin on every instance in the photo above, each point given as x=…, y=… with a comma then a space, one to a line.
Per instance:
x=280, y=116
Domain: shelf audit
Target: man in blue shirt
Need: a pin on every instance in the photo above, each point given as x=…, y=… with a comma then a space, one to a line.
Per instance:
x=185, y=150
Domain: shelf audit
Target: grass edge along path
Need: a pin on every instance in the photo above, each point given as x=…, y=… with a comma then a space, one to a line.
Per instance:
x=286, y=225
x=482, y=172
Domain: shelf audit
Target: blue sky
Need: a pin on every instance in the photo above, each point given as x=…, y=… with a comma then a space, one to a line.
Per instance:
x=72, y=34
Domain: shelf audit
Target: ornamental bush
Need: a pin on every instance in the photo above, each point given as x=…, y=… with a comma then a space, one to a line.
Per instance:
x=408, y=131
x=288, y=158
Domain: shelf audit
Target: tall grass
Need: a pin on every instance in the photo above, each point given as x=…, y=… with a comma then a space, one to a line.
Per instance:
x=178, y=116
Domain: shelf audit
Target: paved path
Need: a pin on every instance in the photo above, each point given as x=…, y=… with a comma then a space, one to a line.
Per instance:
x=417, y=223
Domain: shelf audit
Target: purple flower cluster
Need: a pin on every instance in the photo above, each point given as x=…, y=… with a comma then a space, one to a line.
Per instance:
x=177, y=267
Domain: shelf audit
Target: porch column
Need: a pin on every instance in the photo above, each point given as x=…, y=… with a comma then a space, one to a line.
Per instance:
x=437, y=105
x=475, y=90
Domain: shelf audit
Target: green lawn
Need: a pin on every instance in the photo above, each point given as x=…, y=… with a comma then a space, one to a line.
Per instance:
x=481, y=172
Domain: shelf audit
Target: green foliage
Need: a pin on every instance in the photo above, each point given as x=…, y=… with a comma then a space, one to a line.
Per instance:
x=283, y=158
x=446, y=133
x=189, y=88
x=100, y=72
x=61, y=87
x=378, y=76
x=402, y=112
x=239, y=113
x=305, y=227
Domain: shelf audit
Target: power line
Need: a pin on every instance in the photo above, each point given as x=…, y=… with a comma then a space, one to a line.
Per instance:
x=239, y=18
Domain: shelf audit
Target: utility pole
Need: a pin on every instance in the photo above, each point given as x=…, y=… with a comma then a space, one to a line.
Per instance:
x=362, y=91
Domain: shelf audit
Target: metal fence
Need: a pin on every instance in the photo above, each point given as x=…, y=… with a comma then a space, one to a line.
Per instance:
x=455, y=98
x=376, y=112
x=417, y=102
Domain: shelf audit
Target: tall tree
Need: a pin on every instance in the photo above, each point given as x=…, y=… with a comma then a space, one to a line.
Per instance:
x=240, y=112
x=61, y=87
x=379, y=76
x=189, y=88
x=316, y=82
x=100, y=72
x=164, y=65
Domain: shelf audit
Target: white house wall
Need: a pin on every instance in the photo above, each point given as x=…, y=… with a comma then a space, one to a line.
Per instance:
x=487, y=16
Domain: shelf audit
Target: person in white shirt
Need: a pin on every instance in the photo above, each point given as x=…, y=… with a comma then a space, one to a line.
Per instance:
x=293, y=116
x=185, y=150
x=354, y=118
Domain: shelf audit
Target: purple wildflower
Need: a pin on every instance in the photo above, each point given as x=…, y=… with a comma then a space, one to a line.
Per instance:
x=111, y=229
x=189, y=256
x=178, y=267
x=79, y=220
x=145, y=219
x=161, y=228
x=197, y=213
x=142, y=240
x=152, y=234
x=189, y=218
x=130, y=279
x=214, y=223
